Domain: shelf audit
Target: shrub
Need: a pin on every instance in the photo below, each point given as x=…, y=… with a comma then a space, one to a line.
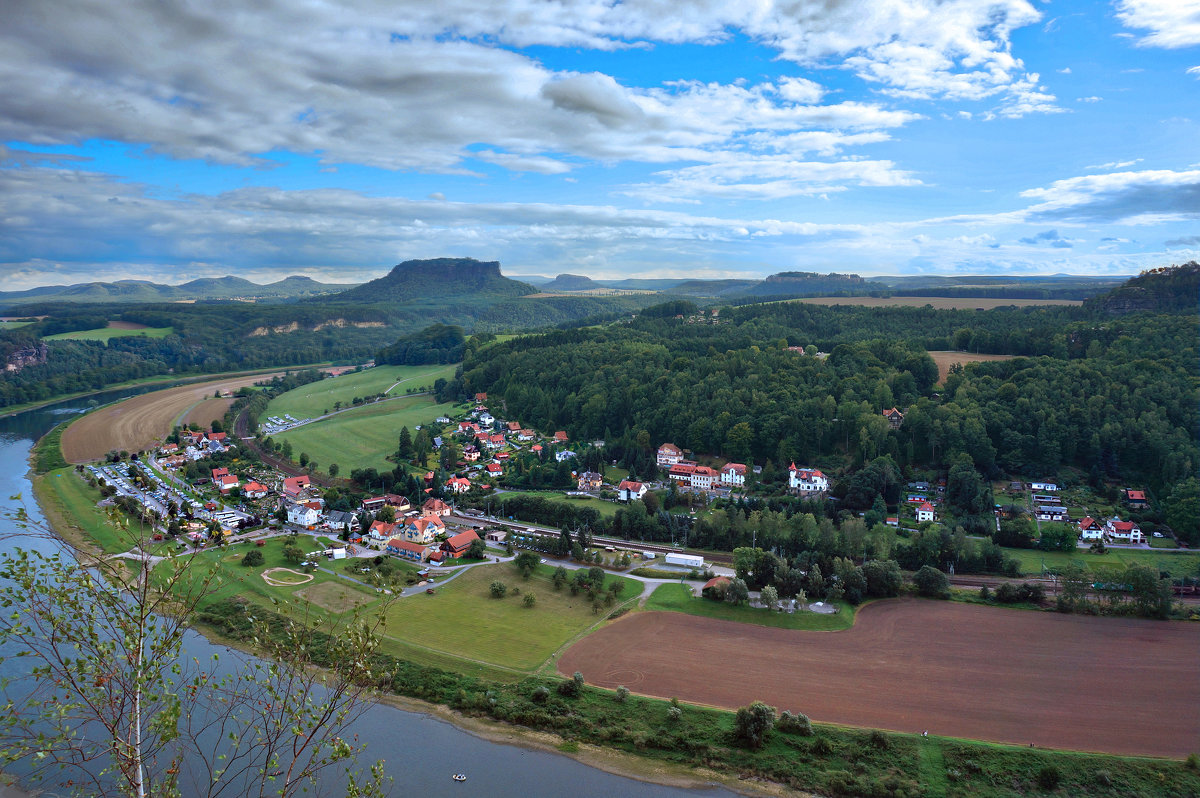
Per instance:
x=253, y=557
x=932, y=583
x=622, y=693
x=498, y=589
x=571, y=687
x=529, y=600
x=880, y=740
x=540, y=694
x=794, y=724
x=821, y=747
x=1192, y=762
x=674, y=714
x=753, y=723
x=1048, y=778
x=985, y=593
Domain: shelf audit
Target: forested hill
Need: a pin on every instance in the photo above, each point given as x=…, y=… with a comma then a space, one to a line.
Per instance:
x=1168, y=290
x=570, y=282
x=437, y=279
x=1111, y=398
x=136, y=291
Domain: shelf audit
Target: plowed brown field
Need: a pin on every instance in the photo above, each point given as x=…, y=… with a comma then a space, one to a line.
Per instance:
x=1115, y=685
x=204, y=412
x=142, y=421
x=946, y=359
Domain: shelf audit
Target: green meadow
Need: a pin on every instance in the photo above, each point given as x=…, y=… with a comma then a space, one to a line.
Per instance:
x=312, y=400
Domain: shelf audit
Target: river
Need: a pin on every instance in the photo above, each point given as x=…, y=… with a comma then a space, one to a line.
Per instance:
x=420, y=751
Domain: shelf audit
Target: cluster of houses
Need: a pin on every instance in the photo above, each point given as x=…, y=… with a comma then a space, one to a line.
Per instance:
x=492, y=442
x=1113, y=530
x=193, y=445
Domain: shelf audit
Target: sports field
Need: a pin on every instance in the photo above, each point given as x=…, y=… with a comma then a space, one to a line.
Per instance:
x=140, y=422
x=364, y=436
x=1176, y=562
x=312, y=400
x=115, y=329
x=462, y=619
x=1114, y=685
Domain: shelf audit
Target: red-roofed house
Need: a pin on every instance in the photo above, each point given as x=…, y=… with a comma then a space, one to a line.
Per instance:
x=458, y=484
x=895, y=417
x=1119, y=531
x=536, y=449
x=424, y=529
x=925, y=513
x=217, y=436
x=495, y=468
x=294, y=486
x=480, y=397
x=435, y=507
x=254, y=490
x=715, y=588
x=227, y=482
x=807, y=480
x=1136, y=499
x=629, y=490
x=733, y=474
x=669, y=454
x=526, y=435
x=1090, y=529
x=469, y=427
x=502, y=456
x=496, y=441
x=560, y=437
x=217, y=473
x=457, y=546
x=379, y=533
x=681, y=472
x=406, y=549
x=703, y=477
x=513, y=426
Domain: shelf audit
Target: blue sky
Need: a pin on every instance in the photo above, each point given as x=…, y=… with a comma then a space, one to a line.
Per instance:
x=166, y=141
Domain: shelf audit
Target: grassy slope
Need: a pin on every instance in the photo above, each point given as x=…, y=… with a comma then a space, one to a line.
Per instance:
x=365, y=436
x=462, y=619
x=309, y=401
x=1178, y=563
x=606, y=509
x=12, y=325
x=69, y=505
x=104, y=333
x=679, y=598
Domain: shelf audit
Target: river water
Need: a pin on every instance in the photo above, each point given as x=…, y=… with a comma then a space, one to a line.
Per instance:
x=421, y=752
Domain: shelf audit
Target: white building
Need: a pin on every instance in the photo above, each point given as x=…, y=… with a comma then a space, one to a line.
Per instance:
x=301, y=515
x=733, y=474
x=807, y=480
x=669, y=454
x=628, y=490
x=925, y=513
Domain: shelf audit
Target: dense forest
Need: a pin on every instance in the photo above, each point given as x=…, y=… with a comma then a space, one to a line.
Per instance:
x=437, y=343
x=1112, y=398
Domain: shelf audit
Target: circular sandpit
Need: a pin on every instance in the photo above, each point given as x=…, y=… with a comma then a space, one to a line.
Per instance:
x=285, y=577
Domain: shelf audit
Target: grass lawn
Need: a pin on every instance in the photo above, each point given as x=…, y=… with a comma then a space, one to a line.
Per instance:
x=1163, y=543
x=462, y=620
x=679, y=598
x=104, y=333
x=1177, y=563
x=607, y=509
x=12, y=325
x=309, y=401
x=362, y=437
x=69, y=504
x=615, y=475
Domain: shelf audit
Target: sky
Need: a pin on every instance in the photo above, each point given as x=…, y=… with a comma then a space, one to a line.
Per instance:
x=168, y=140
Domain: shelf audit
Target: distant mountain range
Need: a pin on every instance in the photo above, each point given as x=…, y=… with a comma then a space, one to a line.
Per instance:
x=420, y=282
x=293, y=287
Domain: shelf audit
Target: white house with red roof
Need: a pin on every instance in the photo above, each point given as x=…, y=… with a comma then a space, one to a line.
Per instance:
x=228, y=482
x=254, y=490
x=526, y=435
x=1090, y=529
x=496, y=441
x=379, y=533
x=560, y=437
x=733, y=474
x=217, y=473
x=458, y=484
x=435, y=507
x=1126, y=532
x=303, y=515
x=681, y=472
x=629, y=490
x=1136, y=499
x=495, y=469
x=703, y=477
x=669, y=454
x=807, y=480
x=925, y=512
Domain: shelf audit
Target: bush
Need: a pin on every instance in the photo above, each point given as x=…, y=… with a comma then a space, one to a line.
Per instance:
x=540, y=694
x=674, y=714
x=880, y=740
x=753, y=723
x=1192, y=762
x=985, y=593
x=529, y=600
x=622, y=693
x=794, y=724
x=253, y=557
x=498, y=589
x=1048, y=778
x=932, y=583
x=571, y=687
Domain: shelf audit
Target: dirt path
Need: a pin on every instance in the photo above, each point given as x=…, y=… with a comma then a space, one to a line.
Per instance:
x=1116, y=685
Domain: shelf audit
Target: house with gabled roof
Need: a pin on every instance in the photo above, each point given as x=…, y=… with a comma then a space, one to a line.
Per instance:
x=925, y=512
x=254, y=490
x=373, y=504
x=807, y=480
x=458, y=484
x=435, y=507
x=379, y=533
x=1090, y=529
x=228, y=482
x=703, y=477
x=681, y=472
x=457, y=545
x=629, y=490
x=733, y=474
x=217, y=473
x=294, y=486
x=470, y=453
x=894, y=417
x=406, y=549
x=424, y=529
x=1136, y=499
x=303, y=515
x=560, y=437
x=669, y=454
x=590, y=480
x=495, y=469
x=1125, y=532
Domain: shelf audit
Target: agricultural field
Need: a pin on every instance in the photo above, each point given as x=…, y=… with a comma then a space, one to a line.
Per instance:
x=312, y=400
x=679, y=598
x=203, y=413
x=946, y=359
x=141, y=422
x=1043, y=678
x=461, y=620
x=115, y=329
x=1177, y=563
x=362, y=437
x=937, y=302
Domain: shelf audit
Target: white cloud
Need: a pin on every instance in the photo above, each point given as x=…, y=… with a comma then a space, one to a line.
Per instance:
x=1114, y=165
x=1065, y=71
x=1092, y=99
x=1171, y=24
x=1194, y=71
x=1147, y=197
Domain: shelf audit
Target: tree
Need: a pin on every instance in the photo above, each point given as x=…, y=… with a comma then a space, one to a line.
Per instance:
x=386, y=514
x=293, y=553
x=1181, y=509
x=405, y=448
x=477, y=550
x=770, y=597
x=527, y=563
x=931, y=582
x=252, y=558
x=333, y=469
x=737, y=593
x=110, y=707
x=498, y=589
x=883, y=578
x=753, y=723
x=560, y=577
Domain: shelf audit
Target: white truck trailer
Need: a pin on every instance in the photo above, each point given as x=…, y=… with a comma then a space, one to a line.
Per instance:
x=686, y=560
